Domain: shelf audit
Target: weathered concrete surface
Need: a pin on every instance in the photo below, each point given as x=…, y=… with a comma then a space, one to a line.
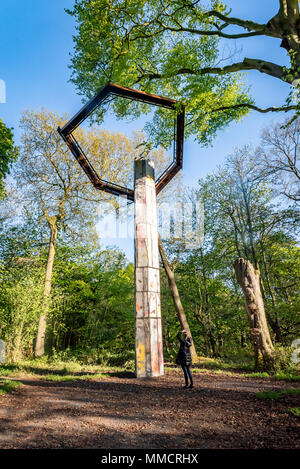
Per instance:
x=148, y=335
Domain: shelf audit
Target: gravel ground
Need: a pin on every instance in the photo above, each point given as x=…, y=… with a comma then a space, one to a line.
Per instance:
x=122, y=412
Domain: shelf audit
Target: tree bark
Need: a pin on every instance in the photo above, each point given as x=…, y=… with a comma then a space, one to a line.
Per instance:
x=16, y=353
x=208, y=320
x=276, y=324
x=41, y=333
x=175, y=295
x=249, y=281
x=284, y=25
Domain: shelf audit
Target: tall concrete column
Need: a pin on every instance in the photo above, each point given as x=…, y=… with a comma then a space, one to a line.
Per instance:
x=148, y=336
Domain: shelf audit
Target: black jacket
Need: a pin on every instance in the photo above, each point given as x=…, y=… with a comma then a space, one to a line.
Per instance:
x=184, y=354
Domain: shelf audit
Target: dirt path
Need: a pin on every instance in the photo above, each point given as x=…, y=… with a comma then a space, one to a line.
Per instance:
x=122, y=412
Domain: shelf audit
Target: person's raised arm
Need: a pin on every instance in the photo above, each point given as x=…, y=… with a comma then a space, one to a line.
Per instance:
x=179, y=338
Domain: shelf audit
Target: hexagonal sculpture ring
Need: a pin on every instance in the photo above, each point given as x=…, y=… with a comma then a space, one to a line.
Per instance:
x=96, y=101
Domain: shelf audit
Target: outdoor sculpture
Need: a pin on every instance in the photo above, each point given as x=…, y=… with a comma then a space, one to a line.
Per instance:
x=148, y=334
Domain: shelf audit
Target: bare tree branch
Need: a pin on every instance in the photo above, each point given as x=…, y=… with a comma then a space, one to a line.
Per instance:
x=262, y=66
x=246, y=24
x=206, y=32
x=256, y=108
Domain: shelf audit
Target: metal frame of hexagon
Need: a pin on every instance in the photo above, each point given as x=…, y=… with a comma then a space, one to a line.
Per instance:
x=129, y=93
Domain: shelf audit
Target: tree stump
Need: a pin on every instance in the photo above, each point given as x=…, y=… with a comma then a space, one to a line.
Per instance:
x=249, y=281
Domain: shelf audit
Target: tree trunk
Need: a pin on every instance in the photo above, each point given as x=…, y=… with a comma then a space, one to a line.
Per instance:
x=16, y=353
x=286, y=25
x=274, y=324
x=206, y=310
x=248, y=279
x=40, y=339
x=175, y=295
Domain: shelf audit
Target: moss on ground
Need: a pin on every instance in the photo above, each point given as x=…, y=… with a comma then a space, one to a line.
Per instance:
x=8, y=385
x=278, y=394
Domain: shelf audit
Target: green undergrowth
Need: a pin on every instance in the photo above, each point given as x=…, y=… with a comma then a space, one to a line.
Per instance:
x=8, y=385
x=241, y=366
x=244, y=363
x=258, y=374
x=278, y=376
x=238, y=369
x=216, y=372
x=278, y=394
x=56, y=370
x=295, y=411
x=281, y=375
x=62, y=378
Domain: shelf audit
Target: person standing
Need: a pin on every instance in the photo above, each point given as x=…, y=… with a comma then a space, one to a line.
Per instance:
x=184, y=357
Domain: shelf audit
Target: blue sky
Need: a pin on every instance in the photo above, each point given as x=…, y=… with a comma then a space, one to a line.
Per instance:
x=36, y=39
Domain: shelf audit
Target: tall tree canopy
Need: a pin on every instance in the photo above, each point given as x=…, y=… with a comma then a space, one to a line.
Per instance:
x=56, y=190
x=8, y=153
x=172, y=48
x=278, y=158
x=89, y=307
x=129, y=43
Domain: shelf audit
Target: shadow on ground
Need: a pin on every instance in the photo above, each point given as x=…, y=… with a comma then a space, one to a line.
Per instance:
x=120, y=412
